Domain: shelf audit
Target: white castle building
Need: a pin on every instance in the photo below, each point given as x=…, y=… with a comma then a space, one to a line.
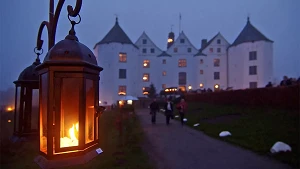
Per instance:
x=130, y=68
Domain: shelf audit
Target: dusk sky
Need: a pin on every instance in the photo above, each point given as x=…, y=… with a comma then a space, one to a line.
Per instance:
x=278, y=20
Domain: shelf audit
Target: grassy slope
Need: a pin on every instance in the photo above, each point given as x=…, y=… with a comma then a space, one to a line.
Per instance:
x=113, y=157
x=256, y=128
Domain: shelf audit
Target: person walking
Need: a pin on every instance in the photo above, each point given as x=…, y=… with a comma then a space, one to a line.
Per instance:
x=154, y=108
x=182, y=106
x=168, y=110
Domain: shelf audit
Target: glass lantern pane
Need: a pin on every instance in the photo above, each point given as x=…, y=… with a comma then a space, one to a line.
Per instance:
x=90, y=110
x=43, y=112
x=35, y=109
x=69, y=119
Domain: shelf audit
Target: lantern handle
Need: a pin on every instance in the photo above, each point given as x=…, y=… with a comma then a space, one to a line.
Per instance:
x=53, y=20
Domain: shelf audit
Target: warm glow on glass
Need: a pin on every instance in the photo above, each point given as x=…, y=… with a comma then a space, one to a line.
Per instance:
x=72, y=139
x=145, y=64
x=9, y=121
x=122, y=93
x=216, y=86
x=190, y=87
x=170, y=40
x=167, y=90
x=9, y=109
x=201, y=85
x=144, y=78
x=129, y=101
x=145, y=93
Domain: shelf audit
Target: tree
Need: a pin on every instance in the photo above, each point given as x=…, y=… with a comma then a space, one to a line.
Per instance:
x=152, y=91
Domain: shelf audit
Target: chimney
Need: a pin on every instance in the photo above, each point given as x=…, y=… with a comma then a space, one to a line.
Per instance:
x=203, y=43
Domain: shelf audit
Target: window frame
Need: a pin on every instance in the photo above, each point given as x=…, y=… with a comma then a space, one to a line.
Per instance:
x=182, y=63
x=122, y=55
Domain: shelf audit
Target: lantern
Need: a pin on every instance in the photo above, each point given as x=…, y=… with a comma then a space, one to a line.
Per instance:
x=69, y=99
x=26, y=101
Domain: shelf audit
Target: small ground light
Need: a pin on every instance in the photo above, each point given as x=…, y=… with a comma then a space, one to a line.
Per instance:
x=216, y=86
x=190, y=87
x=201, y=85
x=9, y=121
x=129, y=101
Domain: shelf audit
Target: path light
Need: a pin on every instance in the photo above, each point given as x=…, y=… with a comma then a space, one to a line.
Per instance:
x=201, y=85
x=69, y=101
x=190, y=87
x=216, y=87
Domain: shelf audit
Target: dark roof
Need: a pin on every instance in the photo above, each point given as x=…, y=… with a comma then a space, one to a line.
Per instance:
x=207, y=44
x=29, y=73
x=164, y=53
x=116, y=34
x=249, y=34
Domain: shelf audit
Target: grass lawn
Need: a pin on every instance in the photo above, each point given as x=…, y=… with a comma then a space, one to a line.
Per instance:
x=114, y=156
x=256, y=129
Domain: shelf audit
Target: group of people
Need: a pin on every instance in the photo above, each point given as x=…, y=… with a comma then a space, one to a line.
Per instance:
x=168, y=110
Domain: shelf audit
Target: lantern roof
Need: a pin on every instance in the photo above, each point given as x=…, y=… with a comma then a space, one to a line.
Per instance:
x=29, y=73
x=70, y=49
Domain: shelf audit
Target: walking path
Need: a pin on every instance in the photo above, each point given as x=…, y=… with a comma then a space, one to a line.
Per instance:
x=177, y=147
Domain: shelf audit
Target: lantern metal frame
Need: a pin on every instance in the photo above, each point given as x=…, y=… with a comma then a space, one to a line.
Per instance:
x=58, y=64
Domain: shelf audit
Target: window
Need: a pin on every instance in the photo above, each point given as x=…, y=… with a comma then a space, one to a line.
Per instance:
x=144, y=50
x=181, y=40
x=164, y=61
x=201, y=61
x=122, y=57
x=253, y=85
x=216, y=62
x=144, y=41
x=164, y=73
x=216, y=75
x=122, y=73
x=182, y=63
x=201, y=72
x=146, y=90
x=175, y=50
x=211, y=50
x=122, y=90
x=252, y=55
x=164, y=86
x=219, y=41
x=252, y=70
x=146, y=64
x=219, y=50
x=189, y=50
x=182, y=78
x=146, y=77
x=152, y=50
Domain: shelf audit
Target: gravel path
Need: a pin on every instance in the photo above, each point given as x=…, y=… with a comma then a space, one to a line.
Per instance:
x=177, y=147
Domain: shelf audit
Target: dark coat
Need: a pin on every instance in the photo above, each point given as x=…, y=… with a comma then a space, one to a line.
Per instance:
x=154, y=106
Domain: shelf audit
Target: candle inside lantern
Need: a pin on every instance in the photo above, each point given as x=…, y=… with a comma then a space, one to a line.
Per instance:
x=72, y=139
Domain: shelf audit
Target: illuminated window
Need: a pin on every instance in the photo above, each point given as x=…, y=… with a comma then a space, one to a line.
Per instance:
x=122, y=57
x=164, y=61
x=211, y=50
x=146, y=90
x=175, y=50
x=182, y=63
x=201, y=72
x=144, y=50
x=219, y=50
x=146, y=77
x=122, y=90
x=201, y=61
x=146, y=64
x=152, y=50
x=164, y=73
x=189, y=50
x=164, y=86
x=216, y=62
x=144, y=41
